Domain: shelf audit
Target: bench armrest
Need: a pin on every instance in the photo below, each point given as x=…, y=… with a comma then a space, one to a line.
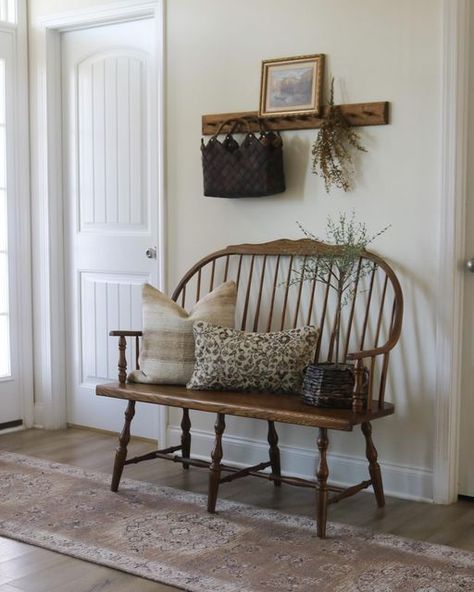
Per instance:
x=368, y=353
x=120, y=333
x=364, y=376
x=122, y=363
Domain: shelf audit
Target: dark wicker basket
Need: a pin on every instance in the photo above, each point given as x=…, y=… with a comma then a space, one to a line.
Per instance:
x=252, y=169
x=329, y=385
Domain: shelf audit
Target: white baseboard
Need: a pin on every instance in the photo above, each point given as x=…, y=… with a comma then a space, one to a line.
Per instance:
x=40, y=414
x=46, y=418
x=399, y=481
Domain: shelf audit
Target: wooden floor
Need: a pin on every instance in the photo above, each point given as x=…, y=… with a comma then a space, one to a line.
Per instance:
x=24, y=568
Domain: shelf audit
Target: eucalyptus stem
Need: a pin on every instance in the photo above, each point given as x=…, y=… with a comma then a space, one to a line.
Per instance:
x=340, y=267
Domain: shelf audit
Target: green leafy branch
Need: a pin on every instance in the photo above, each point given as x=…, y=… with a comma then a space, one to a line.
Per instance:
x=341, y=265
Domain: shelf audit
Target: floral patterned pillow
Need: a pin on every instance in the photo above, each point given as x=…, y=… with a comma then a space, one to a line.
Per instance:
x=227, y=359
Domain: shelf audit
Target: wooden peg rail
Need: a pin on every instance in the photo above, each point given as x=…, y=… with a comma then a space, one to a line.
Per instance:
x=357, y=114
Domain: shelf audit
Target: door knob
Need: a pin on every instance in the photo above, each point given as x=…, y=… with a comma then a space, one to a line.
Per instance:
x=470, y=265
x=151, y=253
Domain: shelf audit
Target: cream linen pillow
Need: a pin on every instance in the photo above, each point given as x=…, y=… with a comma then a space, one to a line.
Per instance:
x=167, y=354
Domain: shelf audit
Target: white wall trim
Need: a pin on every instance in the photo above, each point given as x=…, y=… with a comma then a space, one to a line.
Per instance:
x=401, y=481
x=23, y=227
x=455, y=80
x=19, y=206
x=100, y=15
x=162, y=203
x=50, y=410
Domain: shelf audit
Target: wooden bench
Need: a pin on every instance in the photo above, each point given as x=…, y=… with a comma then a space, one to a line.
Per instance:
x=269, y=299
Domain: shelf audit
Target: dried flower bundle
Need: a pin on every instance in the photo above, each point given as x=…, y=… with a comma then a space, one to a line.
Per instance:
x=332, y=149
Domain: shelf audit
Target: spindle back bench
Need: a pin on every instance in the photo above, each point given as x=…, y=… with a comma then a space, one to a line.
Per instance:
x=269, y=299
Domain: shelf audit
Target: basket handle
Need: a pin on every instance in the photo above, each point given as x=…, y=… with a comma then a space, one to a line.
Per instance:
x=236, y=121
x=263, y=126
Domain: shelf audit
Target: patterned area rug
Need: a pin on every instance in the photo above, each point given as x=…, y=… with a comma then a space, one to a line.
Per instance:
x=166, y=535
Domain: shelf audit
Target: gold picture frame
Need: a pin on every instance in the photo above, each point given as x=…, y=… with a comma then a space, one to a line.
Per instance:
x=291, y=86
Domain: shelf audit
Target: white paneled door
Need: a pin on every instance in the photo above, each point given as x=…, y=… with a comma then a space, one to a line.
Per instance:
x=111, y=203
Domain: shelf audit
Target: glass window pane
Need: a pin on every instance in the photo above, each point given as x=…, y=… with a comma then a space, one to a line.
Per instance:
x=2, y=92
x=3, y=220
x=3, y=172
x=3, y=283
x=11, y=11
x=5, y=369
x=8, y=11
x=5, y=361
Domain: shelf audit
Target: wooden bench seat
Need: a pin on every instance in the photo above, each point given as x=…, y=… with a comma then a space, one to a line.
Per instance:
x=269, y=299
x=268, y=406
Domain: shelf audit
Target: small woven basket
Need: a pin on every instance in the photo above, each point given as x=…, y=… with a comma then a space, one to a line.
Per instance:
x=329, y=385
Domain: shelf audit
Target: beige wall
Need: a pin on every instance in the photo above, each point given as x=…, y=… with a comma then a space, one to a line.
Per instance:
x=377, y=50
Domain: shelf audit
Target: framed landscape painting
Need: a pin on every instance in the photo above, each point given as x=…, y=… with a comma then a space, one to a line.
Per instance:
x=291, y=86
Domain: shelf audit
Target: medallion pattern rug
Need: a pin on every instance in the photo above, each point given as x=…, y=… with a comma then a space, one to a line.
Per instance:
x=166, y=535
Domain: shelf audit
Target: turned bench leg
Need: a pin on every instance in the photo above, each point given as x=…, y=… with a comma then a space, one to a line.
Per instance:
x=274, y=452
x=374, y=467
x=186, y=436
x=322, y=475
x=215, y=467
x=121, y=452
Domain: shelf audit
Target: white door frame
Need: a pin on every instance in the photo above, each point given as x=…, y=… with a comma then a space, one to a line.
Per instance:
x=50, y=411
x=451, y=256
x=22, y=230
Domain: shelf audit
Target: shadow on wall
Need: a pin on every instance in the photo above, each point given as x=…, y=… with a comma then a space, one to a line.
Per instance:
x=412, y=378
x=297, y=152
x=411, y=387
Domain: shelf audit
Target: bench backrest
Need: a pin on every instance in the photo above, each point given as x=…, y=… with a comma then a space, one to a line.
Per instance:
x=272, y=297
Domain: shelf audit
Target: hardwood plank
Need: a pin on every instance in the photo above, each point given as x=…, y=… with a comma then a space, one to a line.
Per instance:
x=46, y=578
x=109, y=580
x=11, y=549
x=28, y=563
